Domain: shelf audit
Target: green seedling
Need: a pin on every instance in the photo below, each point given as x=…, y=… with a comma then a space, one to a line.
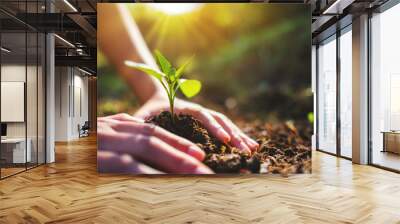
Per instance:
x=170, y=78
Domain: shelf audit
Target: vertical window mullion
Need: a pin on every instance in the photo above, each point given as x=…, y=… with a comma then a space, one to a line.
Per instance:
x=37, y=89
x=317, y=96
x=26, y=86
x=338, y=76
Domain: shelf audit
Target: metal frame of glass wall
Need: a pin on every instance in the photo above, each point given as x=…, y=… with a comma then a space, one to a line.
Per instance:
x=34, y=82
x=334, y=37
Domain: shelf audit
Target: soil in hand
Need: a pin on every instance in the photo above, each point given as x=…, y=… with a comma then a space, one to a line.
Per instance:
x=283, y=149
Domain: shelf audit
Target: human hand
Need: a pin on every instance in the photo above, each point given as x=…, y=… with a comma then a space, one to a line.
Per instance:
x=218, y=124
x=128, y=145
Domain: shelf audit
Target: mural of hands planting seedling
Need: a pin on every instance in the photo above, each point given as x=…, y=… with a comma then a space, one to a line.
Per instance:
x=242, y=68
x=220, y=157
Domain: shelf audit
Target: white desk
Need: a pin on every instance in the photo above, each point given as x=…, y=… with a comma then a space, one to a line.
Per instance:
x=16, y=147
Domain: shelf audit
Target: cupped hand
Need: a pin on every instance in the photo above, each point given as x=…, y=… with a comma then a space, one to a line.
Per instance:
x=218, y=124
x=128, y=145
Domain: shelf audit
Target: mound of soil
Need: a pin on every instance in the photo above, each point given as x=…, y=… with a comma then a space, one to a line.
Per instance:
x=283, y=149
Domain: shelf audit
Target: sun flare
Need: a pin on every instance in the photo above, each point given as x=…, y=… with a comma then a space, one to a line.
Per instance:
x=175, y=8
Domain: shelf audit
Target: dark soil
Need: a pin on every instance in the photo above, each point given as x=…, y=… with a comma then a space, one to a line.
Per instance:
x=284, y=149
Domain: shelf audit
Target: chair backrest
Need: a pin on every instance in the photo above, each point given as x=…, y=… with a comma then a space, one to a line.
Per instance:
x=86, y=125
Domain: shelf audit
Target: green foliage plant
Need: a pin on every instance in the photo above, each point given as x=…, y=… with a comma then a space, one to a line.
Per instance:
x=170, y=78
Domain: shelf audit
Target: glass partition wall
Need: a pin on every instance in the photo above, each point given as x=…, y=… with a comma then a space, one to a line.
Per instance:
x=345, y=97
x=22, y=98
x=13, y=88
x=334, y=94
x=334, y=105
x=327, y=95
x=385, y=89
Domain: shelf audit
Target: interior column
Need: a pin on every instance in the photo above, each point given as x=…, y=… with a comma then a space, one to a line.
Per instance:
x=360, y=90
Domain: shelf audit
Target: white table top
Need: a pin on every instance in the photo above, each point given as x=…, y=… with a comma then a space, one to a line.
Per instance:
x=13, y=140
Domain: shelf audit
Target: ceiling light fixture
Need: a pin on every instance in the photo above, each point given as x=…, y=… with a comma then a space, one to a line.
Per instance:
x=337, y=7
x=5, y=50
x=70, y=5
x=333, y=6
x=79, y=51
x=84, y=71
x=65, y=41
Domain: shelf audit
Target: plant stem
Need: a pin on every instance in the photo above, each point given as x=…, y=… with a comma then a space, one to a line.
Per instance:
x=171, y=105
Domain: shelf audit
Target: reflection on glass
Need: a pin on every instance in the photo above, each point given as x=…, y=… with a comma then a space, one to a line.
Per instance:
x=22, y=91
x=41, y=99
x=31, y=97
x=327, y=96
x=385, y=89
x=14, y=153
x=345, y=94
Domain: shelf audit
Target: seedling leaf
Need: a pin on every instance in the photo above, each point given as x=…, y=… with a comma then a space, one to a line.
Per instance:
x=146, y=69
x=171, y=74
x=189, y=87
x=179, y=72
x=164, y=64
x=169, y=78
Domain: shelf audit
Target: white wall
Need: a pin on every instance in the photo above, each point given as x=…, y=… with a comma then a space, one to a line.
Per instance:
x=62, y=81
x=71, y=94
x=80, y=112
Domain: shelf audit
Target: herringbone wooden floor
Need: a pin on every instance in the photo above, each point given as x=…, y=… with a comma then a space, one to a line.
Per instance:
x=70, y=191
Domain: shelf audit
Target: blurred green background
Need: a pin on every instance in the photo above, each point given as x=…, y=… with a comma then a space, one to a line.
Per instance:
x=253, y=59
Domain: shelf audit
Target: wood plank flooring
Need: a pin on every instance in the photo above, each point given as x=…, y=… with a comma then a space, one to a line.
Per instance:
x=387, y=159
x=10, y=171
x=71, y=191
